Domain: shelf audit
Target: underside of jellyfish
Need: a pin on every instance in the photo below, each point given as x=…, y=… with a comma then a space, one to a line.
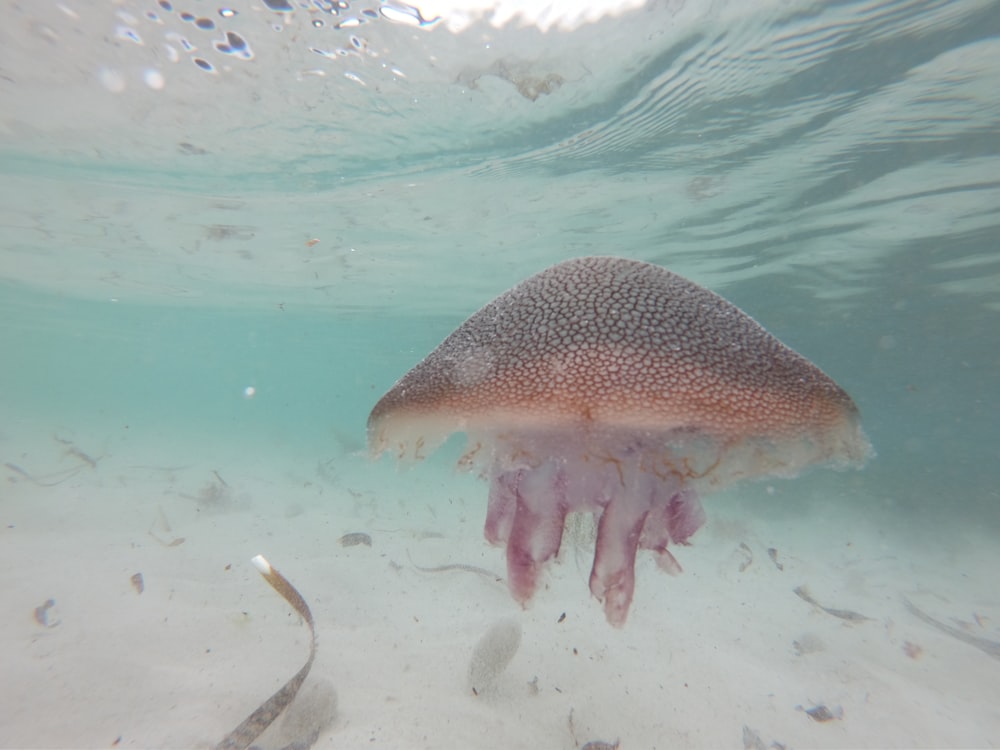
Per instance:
x=639, y=491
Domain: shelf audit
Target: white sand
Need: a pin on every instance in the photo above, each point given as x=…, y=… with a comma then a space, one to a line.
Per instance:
x=702, y=656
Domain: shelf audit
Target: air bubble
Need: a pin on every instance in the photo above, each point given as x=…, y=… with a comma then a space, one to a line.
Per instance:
x=235, y=45
x=349, y=23
x=354, y=77
x=175, y=37
x=124, y=32
x=204, y=64
x=111, y=79
x=227, y=13
x=318, y=23
x=166, y=5
x=236, y=41
x=280, y=6
x=188, y=17
x=406, y=14
x=154, y=79
x=205, y=23
x=172, y=54
x=68, y=11
x=369, y=13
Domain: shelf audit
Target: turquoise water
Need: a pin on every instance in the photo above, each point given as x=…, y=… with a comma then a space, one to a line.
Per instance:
x=313, y=214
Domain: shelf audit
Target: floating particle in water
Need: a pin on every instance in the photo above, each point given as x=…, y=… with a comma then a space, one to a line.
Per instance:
x=205, y=23
x=204, y=64
x=227, y=13
x=249, y=392
x=280, y=6
x=137, y=583
x=822, y=713
x=172, y=54
x=151, y=16
x=354, y=77
x=191, y=149
x=127, y=32
x=773, y=554
x=42, y=614
x=111, y=79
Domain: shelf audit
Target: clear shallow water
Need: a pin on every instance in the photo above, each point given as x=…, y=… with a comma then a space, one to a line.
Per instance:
x=311, y=222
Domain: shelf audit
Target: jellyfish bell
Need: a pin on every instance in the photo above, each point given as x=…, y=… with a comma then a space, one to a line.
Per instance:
x=614, y=387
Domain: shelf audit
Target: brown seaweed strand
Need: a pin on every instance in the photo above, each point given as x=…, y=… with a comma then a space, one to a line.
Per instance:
x=265, y=714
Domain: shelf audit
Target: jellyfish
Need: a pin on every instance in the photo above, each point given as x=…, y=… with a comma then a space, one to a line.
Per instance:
x=614, y=387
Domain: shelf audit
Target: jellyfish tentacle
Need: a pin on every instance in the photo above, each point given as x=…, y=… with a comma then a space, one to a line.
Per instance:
x=501, y=506
x=684, y=515
x=676, y=515
x=537, y=529
x=612, y=578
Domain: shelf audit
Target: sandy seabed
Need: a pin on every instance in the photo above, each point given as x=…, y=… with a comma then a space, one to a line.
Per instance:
x=724, y=655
